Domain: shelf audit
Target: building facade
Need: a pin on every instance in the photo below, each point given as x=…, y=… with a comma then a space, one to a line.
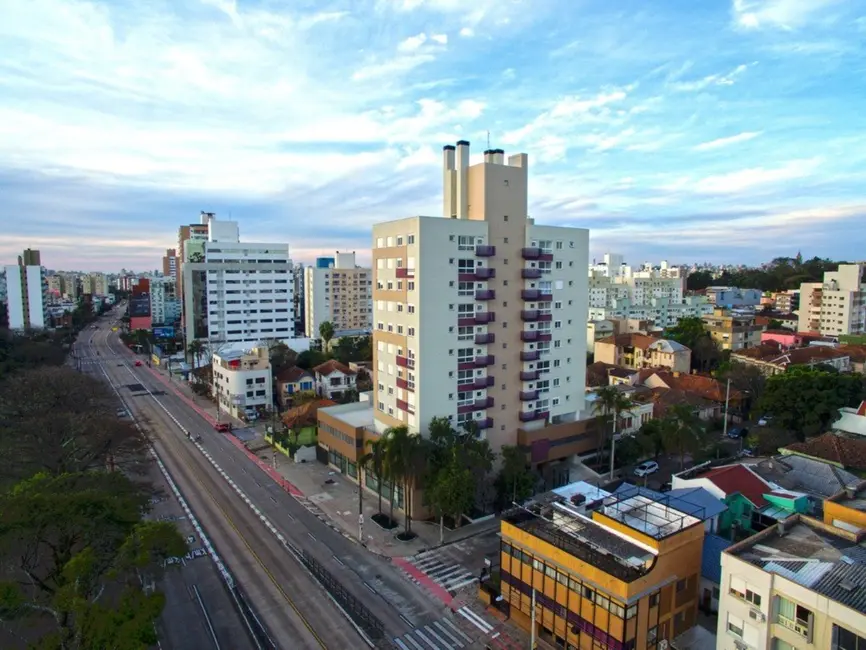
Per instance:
x=733, y=297
x=340, y=294
x=242, y=382
x=475, y=313
x=837, y=306
x=165, y=306
x=170, y=264
x=731, y=331
x=239, y=291
x=661, y=311
x=636, y=351
x=27, y=294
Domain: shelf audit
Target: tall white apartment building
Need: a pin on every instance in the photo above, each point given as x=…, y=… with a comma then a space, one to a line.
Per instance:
x=613, y=280
x=478, y=314
x=26, y=294
x=242, y=381
x=661, y=311
x=240, y=292
x=837, y=305
x=164, y=303
x=340, y=294
x=95, y=284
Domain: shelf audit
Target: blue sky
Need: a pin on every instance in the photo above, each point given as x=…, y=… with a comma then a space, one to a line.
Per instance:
x=721, y=130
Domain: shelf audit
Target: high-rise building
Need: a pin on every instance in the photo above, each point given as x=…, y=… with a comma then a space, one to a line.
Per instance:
x=164, y=305
x=56, y=287
x=236, y=291
x=169, y=263
x=27, y=293
x=195, y=232
x=836, y=306
x=298, y=296
x=340, y=294
x=478, y=315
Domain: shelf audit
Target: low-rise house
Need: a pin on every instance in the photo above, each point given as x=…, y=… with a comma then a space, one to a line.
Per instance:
x=852, y=420
x=856, y=355
x=706, y=387
x=242, y=382
x=773, y=359
x=637, y=351
x=784, y=338
x=844, y=452
x=816, y=479
x=597, y=374
x=666, y=398
x=291, y=381
x=632, y=420
x=334, y=378
x=597, y=330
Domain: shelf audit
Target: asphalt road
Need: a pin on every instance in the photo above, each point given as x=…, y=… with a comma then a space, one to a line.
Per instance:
x=248, y=542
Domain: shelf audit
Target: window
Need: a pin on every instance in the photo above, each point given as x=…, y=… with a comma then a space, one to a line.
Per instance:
x=466, y=289
x=846, y=640
x=735, y=626
x=466, y=266
x=465, y=333
x=410, y=239
x=794, y=617
x=465, y=243
x=654, y=600
x=464, y=355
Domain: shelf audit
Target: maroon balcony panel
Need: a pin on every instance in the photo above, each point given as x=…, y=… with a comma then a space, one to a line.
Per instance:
x=486, y=423
x=528, y=395
x=484, y=361
x=466, y=321
x=405, y=273
x=484, y=317
x=484, y=273
x=405, y=406
x=530, y=355
x=528, y=375
x=482, y=383
x=466, y=277
x=484, y=339
x=529, y=315
x=545, y=318
x=485, y=294
x=545, y=257
x=404, y=362
x=545, y=295
x=466, y=365
x=466, y=408
x=545, y=337
x=529, y=335
x=484, y=403
x=531, y=253
x=530, y=294
x=542, y=415
x=485, y=251
x=530, y=274
x=527, y=416
x=402, y=383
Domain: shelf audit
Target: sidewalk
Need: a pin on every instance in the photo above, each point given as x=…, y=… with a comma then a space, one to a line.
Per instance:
x=329, y=495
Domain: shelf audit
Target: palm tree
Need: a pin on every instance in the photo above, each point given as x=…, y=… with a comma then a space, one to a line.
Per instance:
x=608, y=405
x=374, y=460
x=682, y=431
x=196, y=349
x=326, y=331
x=403, y=460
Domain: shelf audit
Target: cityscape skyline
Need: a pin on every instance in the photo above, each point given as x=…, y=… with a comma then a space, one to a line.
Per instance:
x=731, y=126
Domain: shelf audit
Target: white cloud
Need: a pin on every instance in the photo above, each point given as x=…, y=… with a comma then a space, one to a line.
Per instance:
x=728, y=79
x=780, y=14
x=413, y=43
x=749, y=178
x=724, y=142
x=467, y=32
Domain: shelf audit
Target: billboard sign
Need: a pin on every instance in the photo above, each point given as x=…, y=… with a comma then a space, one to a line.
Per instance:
x=139, y=306
x=163, y=332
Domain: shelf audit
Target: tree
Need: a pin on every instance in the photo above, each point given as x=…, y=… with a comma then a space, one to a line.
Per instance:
x=682, y=431
x=699, y=280
x=326, y=331
x=807, y=400
x=451, y=492
x=374, y=460
x=363, y=380
x=650, y=437
x=745, y=378
x=309, y=359
x=609, y=404
x=304, y=397
x=766, y=441
x=515, y=480
x=196, y=350
x=280, y=355
x=70, y=544
x=404, y=459
x=348, y=396
x=687, y=331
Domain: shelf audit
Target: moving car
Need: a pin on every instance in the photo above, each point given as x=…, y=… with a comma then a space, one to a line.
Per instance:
x=222, y=426
x=138, y=363
x=765, y=420
x=738, y=432
x=646, y=468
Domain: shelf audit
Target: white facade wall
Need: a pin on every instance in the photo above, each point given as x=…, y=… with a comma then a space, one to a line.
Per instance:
x=15, y=298
x=26, y=297
x=242, y=390
x=37, y=296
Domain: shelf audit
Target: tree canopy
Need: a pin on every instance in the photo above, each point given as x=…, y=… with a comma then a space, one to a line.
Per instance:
x=778, y=275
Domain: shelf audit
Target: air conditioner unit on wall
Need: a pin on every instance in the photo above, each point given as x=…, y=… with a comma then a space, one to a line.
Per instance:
x=757, y=615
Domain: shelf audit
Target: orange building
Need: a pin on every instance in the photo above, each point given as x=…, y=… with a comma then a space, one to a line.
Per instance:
x=612, y=572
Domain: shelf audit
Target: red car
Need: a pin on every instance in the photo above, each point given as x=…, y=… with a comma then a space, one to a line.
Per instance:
x=138, y=363
x=222, y=426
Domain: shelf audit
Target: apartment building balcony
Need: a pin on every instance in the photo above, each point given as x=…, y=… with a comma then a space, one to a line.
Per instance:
x=484, y=361
x=535, y=253
x=484, y=273
x=528, y=395
x=530, y=274
x=485, y=294
x=545, y=336
x=405, y=362
x=405, y=385
x=405, y=406
x=530, y=355
x=528, y=375
x=544, y=316
x=483, y=403
x=479, y=383
x=405, y=273
x=484, y=317
x=529, y=315
x=484, y=339
x=485, y=251
x=536, y=295
x=486, y=423
x=529, y=335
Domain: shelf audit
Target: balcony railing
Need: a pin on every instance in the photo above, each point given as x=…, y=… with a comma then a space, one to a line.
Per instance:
x=529, y=416
x=484, y=273
x=529, y=335
x=405, y=385
x=405, y=273
x=532, y=295
x=530, y=274
x=484, y=361
x=545, y=336
x=531, y=253
x=405, y=406
x=545, y=316
x=483, y=403
x=485, y=251
x=484, y=317
x=485, y=294
x=528, y=375
x=405, y=362
x=528, y=395
x=529, y=315
x=529, y=355
x=484, y=339
x=486, y=423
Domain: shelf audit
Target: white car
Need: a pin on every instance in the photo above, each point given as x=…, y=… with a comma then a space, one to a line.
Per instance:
x=646, y=468
x=764, y=421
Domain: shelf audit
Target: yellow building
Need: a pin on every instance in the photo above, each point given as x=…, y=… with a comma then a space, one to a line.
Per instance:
x=732, y=332
x=606, y=571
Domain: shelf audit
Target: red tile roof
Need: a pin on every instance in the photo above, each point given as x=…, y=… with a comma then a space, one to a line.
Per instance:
x=331, y=366
x=665, y=398
x=641, y=341
x=305, y=415
x=849, y=453
x=739, y=478
x=290, y=375
x=597, y=374
x=705, y=387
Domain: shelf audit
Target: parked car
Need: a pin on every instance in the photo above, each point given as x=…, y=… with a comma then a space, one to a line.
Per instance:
x=765, y=420
x=738, y=432
x=222, y=426
x=646, y=468
x=137, y=363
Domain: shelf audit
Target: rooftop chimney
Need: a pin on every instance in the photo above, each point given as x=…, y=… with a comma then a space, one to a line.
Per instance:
x=449, y=204
x=462, y=178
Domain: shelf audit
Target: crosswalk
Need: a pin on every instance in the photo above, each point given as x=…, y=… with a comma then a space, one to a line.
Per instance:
x=438, y=635
x=447, y=574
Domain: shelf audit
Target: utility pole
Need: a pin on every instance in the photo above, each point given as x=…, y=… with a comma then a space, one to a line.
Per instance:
x=727, y=399
x=360, y=508
x=532, y=624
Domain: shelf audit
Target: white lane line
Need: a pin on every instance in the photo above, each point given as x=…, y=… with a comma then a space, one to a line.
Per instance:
x=273, y=499
x=444, y=631
x=476, y=620
x=462, y=583
x=424, y=638
x=367, y=585
x=339, y=561
x=312, y=537
x=401, y=644
x=414, y=643
x=291, y=517
x=406, y=620
x=432, y=633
